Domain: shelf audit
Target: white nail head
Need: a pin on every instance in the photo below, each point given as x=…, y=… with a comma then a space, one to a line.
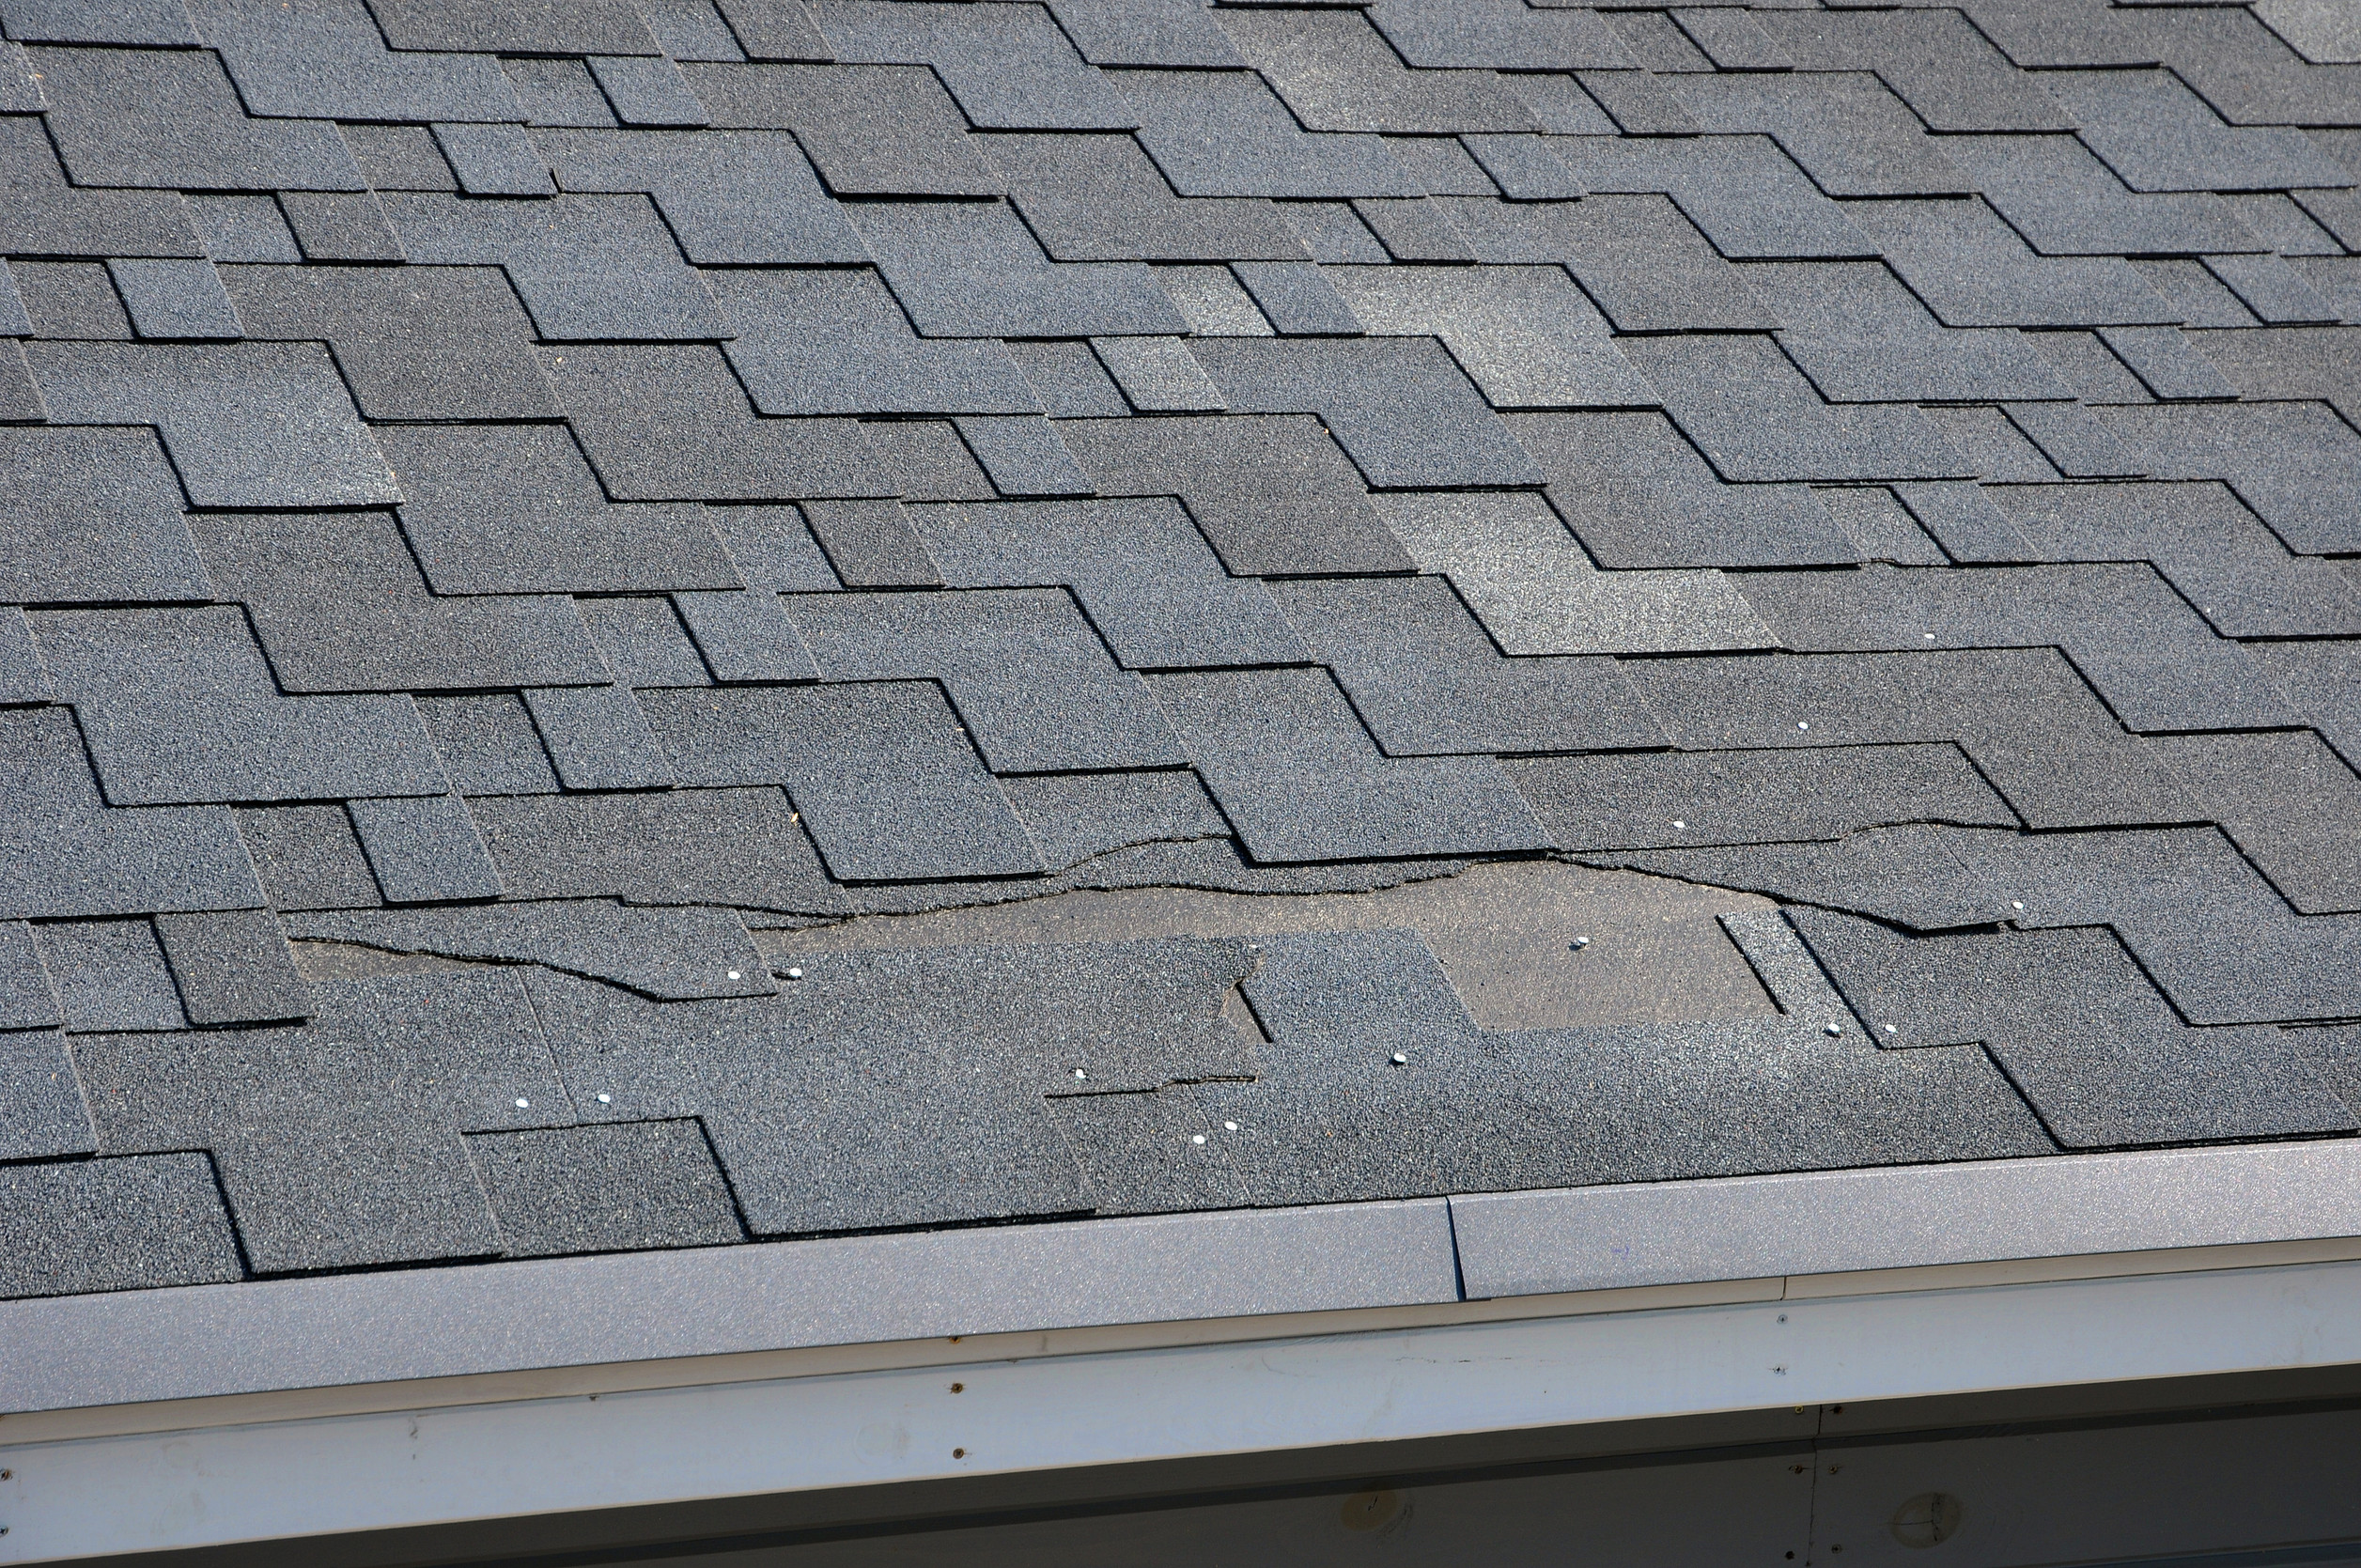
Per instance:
x=1677, y=823
x=795, y=974
x=1229, y=1126
x=606, y=1099
x=1400, y=1060
x=1836, y=1029
x=2016, y=904
x=1803, y=724
x=733, y=974
x=1198, y=1138
x=1080, y=1074
x=524, y=1105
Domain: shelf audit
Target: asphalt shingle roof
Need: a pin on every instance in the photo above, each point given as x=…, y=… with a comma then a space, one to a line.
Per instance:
x=514, y=519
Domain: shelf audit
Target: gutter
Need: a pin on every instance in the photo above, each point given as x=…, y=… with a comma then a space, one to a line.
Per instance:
x=211, y=1415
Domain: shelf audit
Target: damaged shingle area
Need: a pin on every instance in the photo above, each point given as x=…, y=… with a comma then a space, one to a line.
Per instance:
x=674, y=622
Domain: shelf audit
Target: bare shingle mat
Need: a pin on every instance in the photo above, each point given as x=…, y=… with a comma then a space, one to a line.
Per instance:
x=519, y=522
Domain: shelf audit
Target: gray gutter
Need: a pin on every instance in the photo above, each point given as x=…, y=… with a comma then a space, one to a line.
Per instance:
x=210, y=1341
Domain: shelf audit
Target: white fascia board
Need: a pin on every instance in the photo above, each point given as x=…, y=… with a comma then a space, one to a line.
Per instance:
x=100, y=1496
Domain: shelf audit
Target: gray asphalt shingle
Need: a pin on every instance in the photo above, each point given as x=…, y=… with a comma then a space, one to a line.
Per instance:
x=518, y=523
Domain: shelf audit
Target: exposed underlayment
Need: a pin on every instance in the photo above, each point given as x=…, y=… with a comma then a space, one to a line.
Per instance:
x=633, y=625
x=1527, y=944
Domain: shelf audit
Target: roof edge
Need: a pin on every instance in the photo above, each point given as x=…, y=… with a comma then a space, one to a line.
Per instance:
x=865, y=1302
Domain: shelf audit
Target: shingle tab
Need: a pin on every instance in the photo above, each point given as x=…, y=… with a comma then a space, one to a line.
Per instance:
x=233, y=967
x=1934, y=60
x=116, y=1224
x=1862, y=338
x=2295, y=464
x=45, y=215
x=425, y=849
x=1139, y=572
x=1973, y=271
x=1526, y=336
x=1497, y=34
x=1634, y=801
x=1337, y=73
x=335, y=227
x=616, y=1188
x=175, y=299
x=247, y=424
x=2092, y=1045
x=488, y=744
x=745, y=637
x=1028, y=675
x=1643, y=262
x=171, y=120
x=1273, y=495
x=1426, y=680
x=674, y=425
x=327, y=60
x=111, y=975
x=1301, y=780
x=43, y=1116
x=1843, y=128
x=870, y=131
x=1399, y=407
x=1536, y=591
x=177, y=706
x=92, y=513
x=595, y=268
x=835, y=342
x=27, y=1000
x=339, y=605
x=1009, y=66
x=647, y=90
x=1224, y=133
x=1746, y=194
x=1098, y=198
x=596, y=738
x=338, y=1143
x=732, y=198
x=595, y=28
x=1594, y=464
x=2056, y=193
x=413, y=342
x=514, y=510
x=970, y=270
x=2156, y=133
x=894, y=789
x=740, y=846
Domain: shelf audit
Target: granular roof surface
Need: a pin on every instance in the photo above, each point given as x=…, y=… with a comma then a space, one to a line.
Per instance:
x=655, y=622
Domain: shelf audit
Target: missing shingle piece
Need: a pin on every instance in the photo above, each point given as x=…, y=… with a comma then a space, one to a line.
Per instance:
x=1505, y=932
